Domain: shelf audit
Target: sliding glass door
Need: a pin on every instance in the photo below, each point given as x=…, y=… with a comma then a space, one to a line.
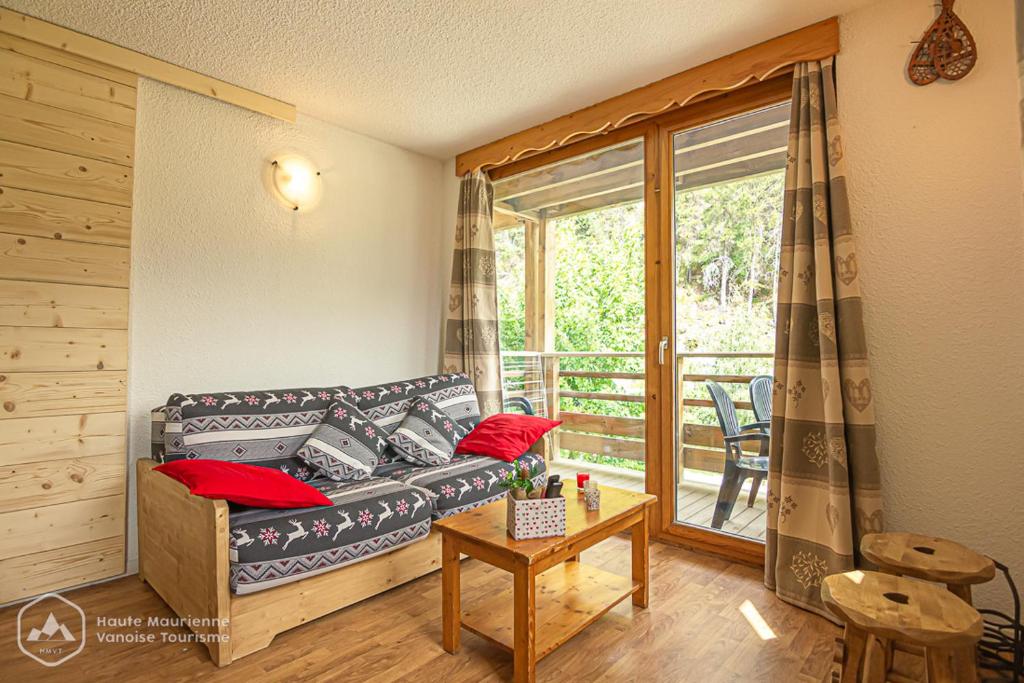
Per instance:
x=637, y=275
x=722, y=184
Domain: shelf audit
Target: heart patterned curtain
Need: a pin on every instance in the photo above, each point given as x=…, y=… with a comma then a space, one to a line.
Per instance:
x=823, y=486
x=471, y=326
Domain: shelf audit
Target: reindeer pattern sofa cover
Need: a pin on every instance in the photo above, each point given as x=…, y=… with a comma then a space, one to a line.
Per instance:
x=255, y=427
x=368, y=517
x=467, y=482
x=372, y=516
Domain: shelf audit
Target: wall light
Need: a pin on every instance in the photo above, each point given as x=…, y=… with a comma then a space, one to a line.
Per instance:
x=295, y=182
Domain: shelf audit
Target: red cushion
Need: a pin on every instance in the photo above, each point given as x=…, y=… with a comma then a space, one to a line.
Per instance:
x=505, y=436
x=246, y=484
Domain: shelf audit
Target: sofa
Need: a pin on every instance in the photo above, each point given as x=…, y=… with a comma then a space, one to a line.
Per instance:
x=240, y=575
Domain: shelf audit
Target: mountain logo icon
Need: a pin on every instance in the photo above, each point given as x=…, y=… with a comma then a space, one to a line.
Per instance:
x=51, y=629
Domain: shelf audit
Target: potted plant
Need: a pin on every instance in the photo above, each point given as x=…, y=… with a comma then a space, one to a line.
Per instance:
x=528, y=514
x=519, y=483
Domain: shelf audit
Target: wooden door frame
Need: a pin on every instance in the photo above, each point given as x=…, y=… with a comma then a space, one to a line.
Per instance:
x=659, y=297
x=661, y=380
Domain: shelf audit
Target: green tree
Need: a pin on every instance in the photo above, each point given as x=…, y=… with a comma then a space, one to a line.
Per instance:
x=727, y=247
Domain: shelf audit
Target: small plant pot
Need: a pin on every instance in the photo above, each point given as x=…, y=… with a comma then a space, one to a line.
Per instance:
x=535, y=517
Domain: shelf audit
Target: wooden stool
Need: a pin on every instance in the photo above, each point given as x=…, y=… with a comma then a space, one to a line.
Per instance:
x=879, y=609
x=929, y=558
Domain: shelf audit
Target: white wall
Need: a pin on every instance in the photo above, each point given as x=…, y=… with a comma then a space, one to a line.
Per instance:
x=934, y=177
x=230, y=290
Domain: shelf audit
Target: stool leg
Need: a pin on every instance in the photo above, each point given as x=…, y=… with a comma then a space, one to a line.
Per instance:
x=876, y=669
x=962, y=591
x=965, y=663
x=939, y=666
x=853, y=654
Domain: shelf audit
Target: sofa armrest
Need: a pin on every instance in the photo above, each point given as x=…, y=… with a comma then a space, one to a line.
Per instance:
x=183, y=554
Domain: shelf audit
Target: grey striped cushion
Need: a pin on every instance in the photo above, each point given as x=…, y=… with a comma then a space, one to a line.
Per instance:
x=346, y=446
x=427, y=435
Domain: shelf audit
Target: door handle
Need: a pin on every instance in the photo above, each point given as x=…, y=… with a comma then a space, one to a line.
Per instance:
x=662, y=348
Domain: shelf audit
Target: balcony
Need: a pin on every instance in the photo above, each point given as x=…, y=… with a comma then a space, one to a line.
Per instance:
x=599, y=396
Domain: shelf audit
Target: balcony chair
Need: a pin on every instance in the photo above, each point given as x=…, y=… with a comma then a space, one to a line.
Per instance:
x=738, y=465
x=761, y=399
x=520, y=402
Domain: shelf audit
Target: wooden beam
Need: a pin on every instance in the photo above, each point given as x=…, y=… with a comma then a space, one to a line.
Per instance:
x=601, y=396
x=505, y=221
x=605, y=425
x=603, y=445
x=600, y=374
x=546, y=296
x=533, y=303
x=75, y=43
x=747, y=145
x=607, y=159
x=756, y=63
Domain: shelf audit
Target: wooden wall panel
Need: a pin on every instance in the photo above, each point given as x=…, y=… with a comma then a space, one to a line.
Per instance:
x=28, y=575
x=38, y=530
x=43, y=170
x=47, y=304
x=38, y=81
x=50, y=260
x=58, y=348
x=67, y=138
x=39, y=484
x=65, y=131
x=41, y=439
x=46, y=53
x=30, y=394
x=23, y=212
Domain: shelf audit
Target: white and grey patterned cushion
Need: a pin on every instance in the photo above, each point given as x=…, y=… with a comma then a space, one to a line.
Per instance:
x=387, y=404
x=256, y=427
x=427, y=435
x=346, y=446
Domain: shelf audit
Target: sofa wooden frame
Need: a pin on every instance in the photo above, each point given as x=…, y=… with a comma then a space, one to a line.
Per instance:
x=183, y=556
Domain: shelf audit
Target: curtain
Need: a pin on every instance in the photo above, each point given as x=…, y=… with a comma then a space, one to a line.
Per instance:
x=823, y=480
x=471, y=324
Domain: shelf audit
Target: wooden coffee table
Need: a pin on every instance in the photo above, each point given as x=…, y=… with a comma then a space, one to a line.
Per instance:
x=572, y=595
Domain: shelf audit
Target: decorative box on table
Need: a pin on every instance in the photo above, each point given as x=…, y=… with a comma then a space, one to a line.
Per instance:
x=536, y=517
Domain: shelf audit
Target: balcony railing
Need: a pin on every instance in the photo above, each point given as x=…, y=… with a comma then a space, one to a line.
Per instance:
x=600, y=398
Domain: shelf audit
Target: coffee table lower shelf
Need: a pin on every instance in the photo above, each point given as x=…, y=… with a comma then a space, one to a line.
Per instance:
x=570, y=597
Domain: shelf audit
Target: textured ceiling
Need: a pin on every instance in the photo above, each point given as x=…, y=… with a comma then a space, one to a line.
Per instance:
x=436, y=76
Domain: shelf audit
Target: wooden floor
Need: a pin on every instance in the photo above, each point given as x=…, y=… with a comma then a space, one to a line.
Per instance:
x=694, y=630
x=695, y=503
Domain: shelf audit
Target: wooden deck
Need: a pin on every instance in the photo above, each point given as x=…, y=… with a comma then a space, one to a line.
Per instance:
x=695, y=501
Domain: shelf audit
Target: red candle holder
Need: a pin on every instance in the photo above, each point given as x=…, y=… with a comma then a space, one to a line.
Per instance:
x=581, y=479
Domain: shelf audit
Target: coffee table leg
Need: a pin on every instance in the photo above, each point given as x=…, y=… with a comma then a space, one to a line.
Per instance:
x=641, y=564
x=525, y=624
x=451, y=609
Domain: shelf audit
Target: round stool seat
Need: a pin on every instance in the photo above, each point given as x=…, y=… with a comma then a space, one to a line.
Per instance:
x=902, y=609
x=927, y=557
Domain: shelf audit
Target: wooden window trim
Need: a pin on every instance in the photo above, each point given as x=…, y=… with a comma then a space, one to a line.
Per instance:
x=660, y=421
x=755, y=64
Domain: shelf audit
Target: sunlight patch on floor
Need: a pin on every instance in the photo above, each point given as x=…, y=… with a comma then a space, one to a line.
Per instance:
x=756, y=621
